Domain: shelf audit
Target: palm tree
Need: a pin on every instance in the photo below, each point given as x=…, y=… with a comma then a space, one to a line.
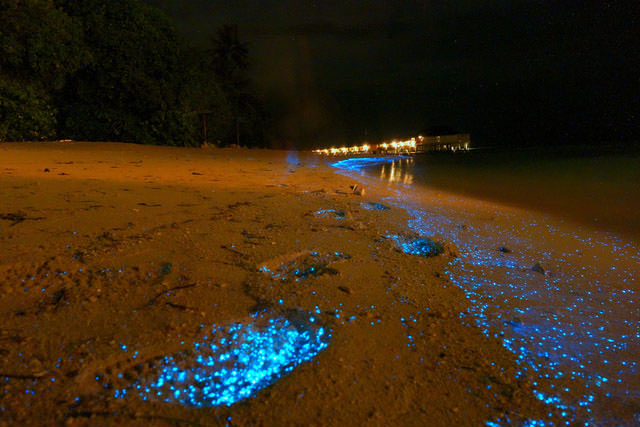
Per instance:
x=230, y=56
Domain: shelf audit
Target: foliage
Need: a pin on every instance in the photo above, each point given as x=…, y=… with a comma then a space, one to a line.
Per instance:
x=117, y=70
x=35, y=60
x=39, y=42
x=130, y=91
x=204, y=95
x=25, y=112
x=228, y=57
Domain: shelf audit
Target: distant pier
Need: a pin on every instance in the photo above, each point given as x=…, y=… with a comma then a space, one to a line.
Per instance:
x=419, y=144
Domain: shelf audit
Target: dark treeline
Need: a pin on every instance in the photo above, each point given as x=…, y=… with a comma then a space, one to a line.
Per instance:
x=105, y=70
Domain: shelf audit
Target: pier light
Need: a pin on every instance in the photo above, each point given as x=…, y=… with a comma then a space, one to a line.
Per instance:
x=407, y=146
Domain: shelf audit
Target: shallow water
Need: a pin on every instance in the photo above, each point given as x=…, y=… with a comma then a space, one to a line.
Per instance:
x=599, y=190
x=574, y=324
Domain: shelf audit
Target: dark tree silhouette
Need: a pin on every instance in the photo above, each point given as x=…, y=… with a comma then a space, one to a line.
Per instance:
x=132, y=89
x=230, y=62
x=230, y=56
x=40, y=46
x=117, y=70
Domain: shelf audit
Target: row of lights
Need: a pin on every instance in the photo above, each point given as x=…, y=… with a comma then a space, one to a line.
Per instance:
x=396, y=146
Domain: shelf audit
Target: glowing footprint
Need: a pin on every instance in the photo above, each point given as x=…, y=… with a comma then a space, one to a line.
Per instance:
x=233, y=362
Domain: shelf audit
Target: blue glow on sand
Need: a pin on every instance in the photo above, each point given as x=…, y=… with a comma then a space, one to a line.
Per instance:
x=336, y=213
x=571, y=329
x=303, y=267
x=292, y=157
x=374, y=206
x=233, y=362
x=418, y=246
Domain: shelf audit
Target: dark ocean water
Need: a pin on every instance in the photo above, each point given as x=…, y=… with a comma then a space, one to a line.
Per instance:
x=598, y=188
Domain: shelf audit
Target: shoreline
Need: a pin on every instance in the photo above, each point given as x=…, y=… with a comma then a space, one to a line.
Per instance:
x=111, y=228
x=534, y=280
x=583, y=209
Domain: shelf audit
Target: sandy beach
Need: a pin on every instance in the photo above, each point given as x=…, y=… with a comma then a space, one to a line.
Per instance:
x=115, y=256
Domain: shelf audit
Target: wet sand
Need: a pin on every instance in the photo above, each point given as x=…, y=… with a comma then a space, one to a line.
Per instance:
x=114, y=256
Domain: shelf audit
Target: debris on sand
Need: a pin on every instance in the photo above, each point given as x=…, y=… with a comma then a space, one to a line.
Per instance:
x=357, y=190
x=345, y=289
x=537, y=268
x=374, y=206
x=18, y=217
x=301, y=265
x=337, y=213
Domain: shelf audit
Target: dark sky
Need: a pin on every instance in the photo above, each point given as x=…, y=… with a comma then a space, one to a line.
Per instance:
x=508, y=71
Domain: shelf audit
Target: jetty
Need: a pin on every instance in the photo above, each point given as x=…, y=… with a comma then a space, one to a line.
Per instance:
x=419, y=144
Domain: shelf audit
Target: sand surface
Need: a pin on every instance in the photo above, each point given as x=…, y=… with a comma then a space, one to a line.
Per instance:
x=113, y=256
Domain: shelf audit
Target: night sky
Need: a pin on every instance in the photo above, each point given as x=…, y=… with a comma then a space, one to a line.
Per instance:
x=508, y=71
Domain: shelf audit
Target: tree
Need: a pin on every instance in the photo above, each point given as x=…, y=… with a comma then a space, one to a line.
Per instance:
x=26, y=113
x=40, y=46
x=117, y=71
x=229, y=59
x=132, y=90
x=206, y=98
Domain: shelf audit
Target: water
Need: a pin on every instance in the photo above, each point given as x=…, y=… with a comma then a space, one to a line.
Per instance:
x=599, y=190
x=574, y=325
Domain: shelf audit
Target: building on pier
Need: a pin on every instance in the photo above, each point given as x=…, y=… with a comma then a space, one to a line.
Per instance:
x=447, y=142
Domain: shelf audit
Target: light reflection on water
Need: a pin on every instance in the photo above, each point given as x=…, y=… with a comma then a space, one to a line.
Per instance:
x=393, y=169
x=398, y=170
x=575, y=328
x=602, y=191
x=231, y=363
